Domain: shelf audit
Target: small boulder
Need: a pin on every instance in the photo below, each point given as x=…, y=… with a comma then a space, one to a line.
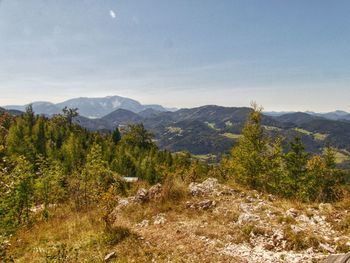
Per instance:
x=206, y=204
x=123, y=202
x=37, y=209
x=228, y=192
x=292, y=212
x=144, y=223
x=247, y=218
x=209, y=186
x=141, y=195
x=155, y=192
x=203, y=205
x=277, y=238
x=159, y=219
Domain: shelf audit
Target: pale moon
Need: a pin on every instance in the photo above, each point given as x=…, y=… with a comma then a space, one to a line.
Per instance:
x=112, y=14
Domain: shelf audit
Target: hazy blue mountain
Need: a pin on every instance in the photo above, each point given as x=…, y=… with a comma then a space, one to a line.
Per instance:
x=277, y=113
x=40, y=107
x=11, y=112
x=122, y=116
x=334, y=115
x=89, y=107
x=296, y=117
x=149, y=113
x=99, y=107
x=154, y=107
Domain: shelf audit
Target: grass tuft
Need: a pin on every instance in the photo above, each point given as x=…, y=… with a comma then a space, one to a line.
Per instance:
x=115, y=234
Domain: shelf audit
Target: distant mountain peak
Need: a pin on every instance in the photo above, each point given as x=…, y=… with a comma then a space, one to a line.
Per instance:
x=90, y=107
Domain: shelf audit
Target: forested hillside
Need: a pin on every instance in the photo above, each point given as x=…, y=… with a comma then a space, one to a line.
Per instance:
x=208, y=131
x=214, y=129
x=46, y=161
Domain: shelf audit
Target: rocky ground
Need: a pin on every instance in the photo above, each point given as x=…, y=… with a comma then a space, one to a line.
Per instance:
x=218, y=223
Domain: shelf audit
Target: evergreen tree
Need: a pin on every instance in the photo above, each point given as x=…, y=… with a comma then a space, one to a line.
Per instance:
x=69, y=114
x=16, y=139
x=250, y=156
x=72, y=152
x=324, y=179
x=49, y=183
x=276, y=178
x=138, y=136
x=116, y=137
x=96, y=176
x=18, y=197
x=296, y=161
x=39, y=136
x=29, y=118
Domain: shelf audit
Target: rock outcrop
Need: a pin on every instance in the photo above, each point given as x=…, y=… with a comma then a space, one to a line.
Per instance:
x=234, y=226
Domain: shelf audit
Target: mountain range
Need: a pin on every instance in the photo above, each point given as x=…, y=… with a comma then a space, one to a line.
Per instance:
x=89, y=107
x=204, y=130
x=334, y=115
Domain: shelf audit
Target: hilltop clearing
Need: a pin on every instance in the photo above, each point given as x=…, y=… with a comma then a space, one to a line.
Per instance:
x=200, y=222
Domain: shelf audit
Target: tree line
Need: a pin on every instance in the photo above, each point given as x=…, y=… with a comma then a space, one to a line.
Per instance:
x=261, y=163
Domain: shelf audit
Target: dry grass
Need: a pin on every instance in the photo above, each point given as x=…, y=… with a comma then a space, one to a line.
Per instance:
x=189, y=235
x=66, y=235
x=301, y=240
x=72, y=236
x=344, y=224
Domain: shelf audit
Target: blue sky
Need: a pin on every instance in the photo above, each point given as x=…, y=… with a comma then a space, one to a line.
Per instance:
x=286, y=55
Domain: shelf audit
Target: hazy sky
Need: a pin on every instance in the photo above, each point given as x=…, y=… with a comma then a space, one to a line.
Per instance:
x=286, y=55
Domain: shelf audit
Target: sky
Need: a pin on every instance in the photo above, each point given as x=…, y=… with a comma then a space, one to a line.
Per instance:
x=285, y=55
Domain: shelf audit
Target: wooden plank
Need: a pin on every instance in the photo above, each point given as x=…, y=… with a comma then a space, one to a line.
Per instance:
x=344, y=258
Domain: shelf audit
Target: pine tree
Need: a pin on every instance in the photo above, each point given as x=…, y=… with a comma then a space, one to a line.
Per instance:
x=276, y=178
x=116, y=137
x=96, y=176
x=332, y=179
x=72, y=152
x=49, y=183
x=69, y=114
x=19, y=197
x=250, y=156
x=296, y=161
x=29, y=118
x=138, y=136
x=39, y=136
x=15, y=140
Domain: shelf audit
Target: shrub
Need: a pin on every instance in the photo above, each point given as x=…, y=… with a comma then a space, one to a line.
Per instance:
x=174, y=189
x=300, y=240
x=113, y=235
